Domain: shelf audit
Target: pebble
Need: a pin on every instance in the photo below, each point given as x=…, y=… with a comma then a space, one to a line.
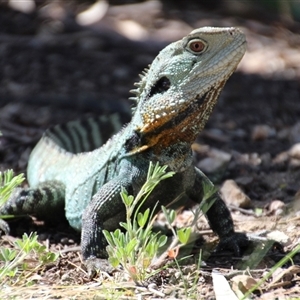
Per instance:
x=281, y=158
x=279, y=237
x=294, y=156
x=233, y=194
x=294, y=151
x=65, y=277
x=64, y=241
x=217, y=159
x=252, y=159
x=262, y=132
x=276, y=207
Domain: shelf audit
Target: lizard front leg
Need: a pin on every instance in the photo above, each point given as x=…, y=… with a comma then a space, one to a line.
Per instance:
x=105, y=211
x=219, y=217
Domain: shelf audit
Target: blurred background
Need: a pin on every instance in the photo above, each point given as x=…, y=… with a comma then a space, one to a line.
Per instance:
x=61, y=60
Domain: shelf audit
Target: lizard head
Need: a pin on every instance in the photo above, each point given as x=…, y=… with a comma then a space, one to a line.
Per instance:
x=177, y=94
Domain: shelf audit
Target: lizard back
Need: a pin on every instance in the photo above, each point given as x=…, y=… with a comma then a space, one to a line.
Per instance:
x=64, y=151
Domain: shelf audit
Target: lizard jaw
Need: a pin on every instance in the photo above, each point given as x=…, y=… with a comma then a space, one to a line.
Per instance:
x=183, y=127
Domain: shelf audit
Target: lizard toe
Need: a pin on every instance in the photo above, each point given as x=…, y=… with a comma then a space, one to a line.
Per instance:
x=95, y=265
x=235, y=242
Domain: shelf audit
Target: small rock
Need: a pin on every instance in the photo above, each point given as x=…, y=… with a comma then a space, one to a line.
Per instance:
x=210, y=165
x=276, y=208
x=233, y=194
x=217, y=159
x=279, y=237
x=294, y=155
x=199, y=148
x=65, y=241
x=294, y=152
x=65, y=277
x=262, y=132
x=252, y=159
x=216, y=135
x=281, y=158
x=168, y=290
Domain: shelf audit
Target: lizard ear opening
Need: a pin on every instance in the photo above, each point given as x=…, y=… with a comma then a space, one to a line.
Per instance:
x=133, y=141
x=161, y=86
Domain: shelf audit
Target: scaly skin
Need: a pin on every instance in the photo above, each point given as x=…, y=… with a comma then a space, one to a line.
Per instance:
x=175, y=97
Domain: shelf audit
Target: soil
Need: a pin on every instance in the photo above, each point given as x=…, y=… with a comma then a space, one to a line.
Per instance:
x=54, y=70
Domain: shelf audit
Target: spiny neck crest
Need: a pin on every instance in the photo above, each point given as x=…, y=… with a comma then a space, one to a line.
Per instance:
x=140, y=85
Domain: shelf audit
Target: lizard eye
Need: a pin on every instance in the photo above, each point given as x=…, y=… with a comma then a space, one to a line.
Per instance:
x=196, y=46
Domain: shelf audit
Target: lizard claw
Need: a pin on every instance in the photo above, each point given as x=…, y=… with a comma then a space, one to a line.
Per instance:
x=94, y=265
x=234, y=242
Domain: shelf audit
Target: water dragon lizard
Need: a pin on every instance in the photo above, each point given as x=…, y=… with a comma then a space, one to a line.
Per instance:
x=71, y=167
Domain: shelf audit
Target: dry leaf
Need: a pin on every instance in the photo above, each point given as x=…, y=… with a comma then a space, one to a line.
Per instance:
x=241, y=284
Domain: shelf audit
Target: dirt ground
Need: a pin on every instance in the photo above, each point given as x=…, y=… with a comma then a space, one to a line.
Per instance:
x=54, y=70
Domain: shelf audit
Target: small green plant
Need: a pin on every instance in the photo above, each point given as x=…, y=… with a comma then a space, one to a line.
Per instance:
x=182, y=234
x=135, y=248
x=209, y=198
x=27, y=255
x=8, y=182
